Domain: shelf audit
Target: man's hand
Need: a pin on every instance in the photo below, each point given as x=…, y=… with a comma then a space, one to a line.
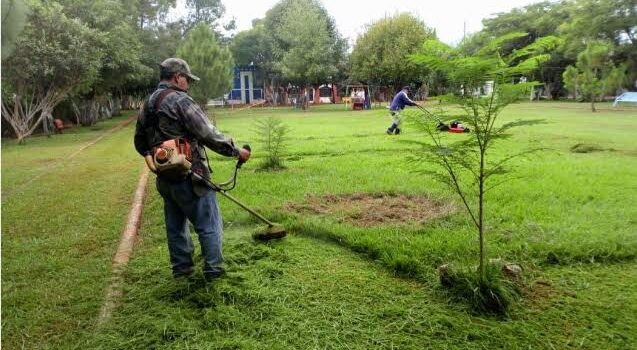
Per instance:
x=244, y=155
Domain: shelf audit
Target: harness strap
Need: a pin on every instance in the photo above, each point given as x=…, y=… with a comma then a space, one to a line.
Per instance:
x=161, y=97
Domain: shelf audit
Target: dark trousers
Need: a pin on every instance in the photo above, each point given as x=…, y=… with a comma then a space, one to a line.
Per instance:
x=181, y=205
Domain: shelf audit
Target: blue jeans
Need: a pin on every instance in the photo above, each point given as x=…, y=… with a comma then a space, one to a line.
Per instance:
x=180, y=205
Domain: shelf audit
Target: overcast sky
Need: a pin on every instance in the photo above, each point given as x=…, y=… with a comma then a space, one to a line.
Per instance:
x=448, y=17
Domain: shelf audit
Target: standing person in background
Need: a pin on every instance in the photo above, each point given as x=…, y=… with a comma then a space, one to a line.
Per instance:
x=171, y=117
x=397, y=105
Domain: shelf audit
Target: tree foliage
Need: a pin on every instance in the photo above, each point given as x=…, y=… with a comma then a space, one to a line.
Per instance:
x=121, y=46
x=537, y=20
x=614, y=21
x=54, y=56
x=206, y=12
x=148, y=14
x=379, y=55
x=610, y=21
x=462, y=164
x=577, y=22
x=594, y=75
x=306, y=45
x=14, y=13
x=254, y=46
x=210, y=62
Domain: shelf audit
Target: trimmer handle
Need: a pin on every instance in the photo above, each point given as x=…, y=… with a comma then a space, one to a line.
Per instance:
x=240, y=162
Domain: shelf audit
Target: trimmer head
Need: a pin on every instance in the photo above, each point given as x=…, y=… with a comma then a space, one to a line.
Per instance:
x=274, y=231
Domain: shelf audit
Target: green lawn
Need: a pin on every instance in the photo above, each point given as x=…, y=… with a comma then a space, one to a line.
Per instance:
x=567, y=218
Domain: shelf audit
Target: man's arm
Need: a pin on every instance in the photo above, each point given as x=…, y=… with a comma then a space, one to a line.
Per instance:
x=197, y=123
x=407, y=101
x=140, y=138
x=140, y=142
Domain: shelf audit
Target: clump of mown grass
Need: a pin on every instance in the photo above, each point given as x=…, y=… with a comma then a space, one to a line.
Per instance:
x=586, y=148
x=609, y=253
x=493, y=294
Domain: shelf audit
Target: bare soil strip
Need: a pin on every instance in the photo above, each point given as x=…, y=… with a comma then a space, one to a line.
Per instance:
x=124, y=250
x=374, y=209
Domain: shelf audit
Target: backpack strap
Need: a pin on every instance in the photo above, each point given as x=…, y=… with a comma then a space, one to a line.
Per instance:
x=161, y=97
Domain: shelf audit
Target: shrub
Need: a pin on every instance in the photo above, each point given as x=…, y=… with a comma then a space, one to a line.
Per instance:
x=272, y=135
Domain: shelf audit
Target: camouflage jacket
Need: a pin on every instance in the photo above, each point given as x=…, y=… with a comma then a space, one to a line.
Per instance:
x=178, y=116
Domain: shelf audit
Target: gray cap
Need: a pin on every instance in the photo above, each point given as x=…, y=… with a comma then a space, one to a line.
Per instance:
x=177, y=65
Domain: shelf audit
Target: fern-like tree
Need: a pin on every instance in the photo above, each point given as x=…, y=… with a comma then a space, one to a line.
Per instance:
x=209, y=61
x=272, y=135
x=594, y=75
x=466, y=164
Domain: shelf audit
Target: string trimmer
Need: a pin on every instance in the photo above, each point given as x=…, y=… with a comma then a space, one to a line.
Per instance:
x=273, y=231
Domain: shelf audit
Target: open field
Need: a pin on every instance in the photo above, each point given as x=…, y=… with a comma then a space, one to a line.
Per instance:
x=569, y=219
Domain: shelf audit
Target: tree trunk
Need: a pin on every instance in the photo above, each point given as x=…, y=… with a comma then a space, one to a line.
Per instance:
x=45, y=125
x=548, y=90
x=116, y=105
x=125, y=103
x=86, y=112
x=21, y=112
x=481, y=217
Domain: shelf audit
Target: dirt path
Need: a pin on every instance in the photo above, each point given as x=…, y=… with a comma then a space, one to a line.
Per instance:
x=124, y=250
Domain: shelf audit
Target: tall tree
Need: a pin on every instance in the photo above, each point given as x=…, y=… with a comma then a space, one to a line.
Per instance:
x=209, y=61
x=379, y=55
x=54, y=56
x=571, y=80
x=256, y=46
x=159, y=39
x=595, y=75
x=538, y=20
x=612, y=21
x=296, y=42
x=149, y=13
x=206, y=12
x=123, y=52
x=307, y=46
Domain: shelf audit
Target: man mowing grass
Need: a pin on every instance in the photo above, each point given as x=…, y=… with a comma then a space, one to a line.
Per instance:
x=171, y=134
x=397, y=105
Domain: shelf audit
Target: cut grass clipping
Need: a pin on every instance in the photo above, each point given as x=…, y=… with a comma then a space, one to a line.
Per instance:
x=586, y=148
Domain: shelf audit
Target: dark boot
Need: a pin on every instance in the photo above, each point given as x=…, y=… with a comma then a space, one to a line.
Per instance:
x=391, y=129
x=397, y=132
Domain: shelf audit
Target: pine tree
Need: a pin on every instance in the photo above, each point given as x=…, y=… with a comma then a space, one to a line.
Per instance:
x=209, y=61
x=594, y=75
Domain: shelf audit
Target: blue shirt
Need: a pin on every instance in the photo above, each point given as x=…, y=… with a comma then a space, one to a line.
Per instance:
x=400, y=101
